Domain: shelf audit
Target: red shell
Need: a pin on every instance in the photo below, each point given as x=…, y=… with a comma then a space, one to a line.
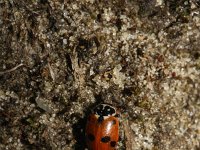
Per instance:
x=102, y=135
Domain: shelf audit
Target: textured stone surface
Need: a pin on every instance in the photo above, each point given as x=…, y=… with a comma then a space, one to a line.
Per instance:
x=59, y=58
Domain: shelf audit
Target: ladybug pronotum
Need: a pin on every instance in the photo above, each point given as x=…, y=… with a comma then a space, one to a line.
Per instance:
x=102, y=128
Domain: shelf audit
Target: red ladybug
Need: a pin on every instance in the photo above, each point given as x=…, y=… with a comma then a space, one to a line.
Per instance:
x=102, y=128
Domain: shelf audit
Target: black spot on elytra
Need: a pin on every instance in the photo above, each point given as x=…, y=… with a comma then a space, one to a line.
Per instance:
x=113, y=143
x=105, y=139
x=91, y=137
x=100, y=119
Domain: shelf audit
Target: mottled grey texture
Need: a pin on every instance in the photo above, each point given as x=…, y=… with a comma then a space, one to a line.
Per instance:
x=59, y=58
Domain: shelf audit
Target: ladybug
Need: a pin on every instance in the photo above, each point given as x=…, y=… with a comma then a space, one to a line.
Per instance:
x=102, y=128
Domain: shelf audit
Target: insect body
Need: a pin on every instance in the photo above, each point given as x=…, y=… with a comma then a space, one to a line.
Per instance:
x=102, y=128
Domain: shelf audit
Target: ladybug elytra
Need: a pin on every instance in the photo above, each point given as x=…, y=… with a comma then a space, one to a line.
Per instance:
x=102, y=128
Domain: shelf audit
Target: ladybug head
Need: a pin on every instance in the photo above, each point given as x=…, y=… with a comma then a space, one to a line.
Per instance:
x=104, y=110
